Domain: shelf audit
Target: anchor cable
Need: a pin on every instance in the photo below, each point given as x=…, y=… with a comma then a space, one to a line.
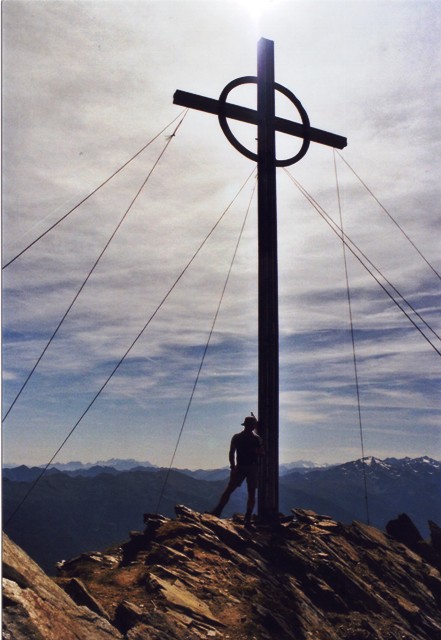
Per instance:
x=119, y=363
x=354, y=353
x=204, y=354
x=347, y=238
x=94, y=191
x=390, y=216
x=75, y=298
x=348, y=242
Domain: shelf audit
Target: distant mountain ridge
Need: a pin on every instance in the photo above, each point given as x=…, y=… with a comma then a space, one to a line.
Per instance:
x=115, y=463
x=74, y=468
x=92, y=508
x=410, y=485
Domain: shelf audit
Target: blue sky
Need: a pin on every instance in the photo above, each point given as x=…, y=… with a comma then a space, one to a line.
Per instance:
x=87, y=84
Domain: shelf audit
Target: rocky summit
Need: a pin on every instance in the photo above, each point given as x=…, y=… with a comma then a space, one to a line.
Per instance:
x=198, y=576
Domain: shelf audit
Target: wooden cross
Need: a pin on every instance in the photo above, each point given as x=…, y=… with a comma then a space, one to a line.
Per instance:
x=267, y=125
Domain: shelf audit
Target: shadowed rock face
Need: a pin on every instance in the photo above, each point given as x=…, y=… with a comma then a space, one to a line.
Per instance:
x=308, y=578
x=35, y=607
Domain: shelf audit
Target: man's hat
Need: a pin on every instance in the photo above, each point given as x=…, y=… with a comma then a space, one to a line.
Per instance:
x=249, y=420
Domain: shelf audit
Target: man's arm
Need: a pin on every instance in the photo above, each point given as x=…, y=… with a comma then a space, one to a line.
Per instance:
x=260, y=448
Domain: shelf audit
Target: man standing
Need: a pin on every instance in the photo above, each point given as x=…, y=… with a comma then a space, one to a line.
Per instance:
x=245, y=449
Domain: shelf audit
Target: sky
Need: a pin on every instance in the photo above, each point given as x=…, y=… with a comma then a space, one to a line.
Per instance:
x=86, y=84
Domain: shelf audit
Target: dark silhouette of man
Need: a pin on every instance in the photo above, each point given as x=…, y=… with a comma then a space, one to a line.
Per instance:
x=245, y=449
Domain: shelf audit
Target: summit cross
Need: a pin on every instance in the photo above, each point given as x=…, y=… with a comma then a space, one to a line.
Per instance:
x=268, y=315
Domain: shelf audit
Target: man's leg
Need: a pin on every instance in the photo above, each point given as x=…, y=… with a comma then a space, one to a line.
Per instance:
x=223, y=500
x=252, y=479
x=235, y=482
x=250, y=504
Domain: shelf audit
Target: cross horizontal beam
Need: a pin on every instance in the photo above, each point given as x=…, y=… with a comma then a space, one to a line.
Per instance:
x=236, y=112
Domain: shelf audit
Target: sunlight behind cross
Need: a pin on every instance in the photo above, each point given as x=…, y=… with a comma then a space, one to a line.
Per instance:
x=256, y=10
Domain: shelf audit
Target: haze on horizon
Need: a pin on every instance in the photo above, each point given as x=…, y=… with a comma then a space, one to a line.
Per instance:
x=87, y=84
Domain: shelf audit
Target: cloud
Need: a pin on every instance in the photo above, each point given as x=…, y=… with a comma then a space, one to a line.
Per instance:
x=86, y=85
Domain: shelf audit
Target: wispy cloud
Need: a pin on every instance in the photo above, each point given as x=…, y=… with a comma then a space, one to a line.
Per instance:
x=88, y=84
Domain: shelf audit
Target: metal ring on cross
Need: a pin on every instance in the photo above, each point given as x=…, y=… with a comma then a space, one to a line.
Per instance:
x=240, y=147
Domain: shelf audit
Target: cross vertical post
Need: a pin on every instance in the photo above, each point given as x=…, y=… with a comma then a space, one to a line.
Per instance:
x=267, y=125
x=268, y=353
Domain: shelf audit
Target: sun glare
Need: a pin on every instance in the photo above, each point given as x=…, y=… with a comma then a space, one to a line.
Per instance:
x=256, y=8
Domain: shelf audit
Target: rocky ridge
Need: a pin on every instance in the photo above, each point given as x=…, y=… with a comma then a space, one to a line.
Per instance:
x=35, y=607
x=307, y=578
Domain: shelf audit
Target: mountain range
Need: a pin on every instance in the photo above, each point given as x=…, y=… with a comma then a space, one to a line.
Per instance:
x=22, y=472
x=69, y=512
